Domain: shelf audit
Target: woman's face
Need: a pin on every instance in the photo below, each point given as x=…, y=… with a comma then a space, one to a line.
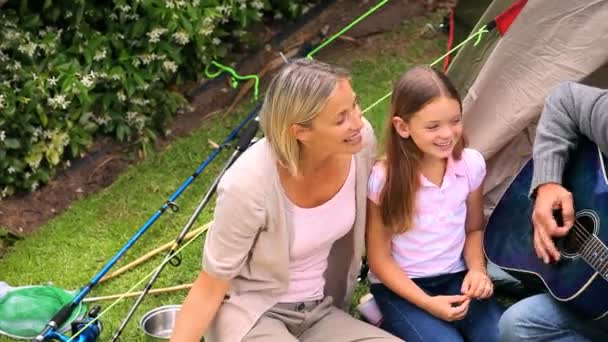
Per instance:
x=337, y=127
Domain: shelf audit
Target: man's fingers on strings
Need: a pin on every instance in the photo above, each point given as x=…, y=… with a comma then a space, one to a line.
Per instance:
x=540, y=252
x=546, y=243
x=567, y=211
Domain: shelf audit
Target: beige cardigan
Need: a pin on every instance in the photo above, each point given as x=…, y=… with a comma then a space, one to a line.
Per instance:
x=251, y=236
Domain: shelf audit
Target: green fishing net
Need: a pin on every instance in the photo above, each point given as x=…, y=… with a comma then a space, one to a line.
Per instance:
x=24, y=311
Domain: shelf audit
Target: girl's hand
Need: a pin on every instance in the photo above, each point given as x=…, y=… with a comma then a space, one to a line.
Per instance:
x=449, y=308
x=477, y=284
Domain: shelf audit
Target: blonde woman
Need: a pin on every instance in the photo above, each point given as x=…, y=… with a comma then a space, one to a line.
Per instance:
x=281, y=259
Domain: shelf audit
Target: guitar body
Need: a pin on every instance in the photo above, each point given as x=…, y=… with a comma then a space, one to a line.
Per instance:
x=580, y=278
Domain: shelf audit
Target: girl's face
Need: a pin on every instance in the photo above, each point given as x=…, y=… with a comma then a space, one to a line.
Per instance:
x=337, y=127
x=435, y=129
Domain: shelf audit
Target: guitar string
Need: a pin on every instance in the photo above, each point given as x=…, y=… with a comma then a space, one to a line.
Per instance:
x=585, y=239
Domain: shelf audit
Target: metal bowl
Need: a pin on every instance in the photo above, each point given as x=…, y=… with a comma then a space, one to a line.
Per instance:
x=158, y=323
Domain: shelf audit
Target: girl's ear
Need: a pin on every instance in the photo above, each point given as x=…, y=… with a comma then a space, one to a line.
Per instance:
x=401, y=127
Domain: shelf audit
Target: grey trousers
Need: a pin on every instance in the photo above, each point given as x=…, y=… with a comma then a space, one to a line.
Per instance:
x=315, y=321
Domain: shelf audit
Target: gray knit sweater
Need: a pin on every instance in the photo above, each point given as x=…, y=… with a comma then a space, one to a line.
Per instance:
x=571, y=109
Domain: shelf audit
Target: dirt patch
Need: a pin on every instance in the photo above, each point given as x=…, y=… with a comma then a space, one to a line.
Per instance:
x=106, y=159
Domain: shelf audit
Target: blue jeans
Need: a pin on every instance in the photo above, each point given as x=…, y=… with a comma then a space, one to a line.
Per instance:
x=411, y=323
x=542, y=318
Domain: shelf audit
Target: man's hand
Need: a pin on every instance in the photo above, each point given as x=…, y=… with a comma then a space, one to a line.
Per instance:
x=551, y=196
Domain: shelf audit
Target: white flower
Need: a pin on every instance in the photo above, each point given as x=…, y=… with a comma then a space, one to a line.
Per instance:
x=160, y=57
x=116, y=77
x=4, y=192
x=257, y=4
x=169, y=4
x=131, y=116
x=37, y=131
x=100, y=55
x=216, y=41
x=2, y=105
x=87, y=81
x=58, y=101
x=181, y=37
x=124, y=8
x=169, y=66
x=138, y=101
x=155, y=34
x=224, y=9
x=195, y=3
x=27, y=175
x=34, y=186
x=121, y=96
x=205, y=30
x=28, y=49
x=146, y=58
x=11, y=170
x=53, y=81
x=180, y=3
x=2, y=135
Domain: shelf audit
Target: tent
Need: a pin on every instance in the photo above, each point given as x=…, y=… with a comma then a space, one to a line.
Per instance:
x=507, y=77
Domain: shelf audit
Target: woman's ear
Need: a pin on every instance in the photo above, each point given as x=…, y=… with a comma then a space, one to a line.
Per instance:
x=299, y=132
x=401, y=127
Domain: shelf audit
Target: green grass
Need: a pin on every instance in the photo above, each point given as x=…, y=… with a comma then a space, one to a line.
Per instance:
x=73, y=247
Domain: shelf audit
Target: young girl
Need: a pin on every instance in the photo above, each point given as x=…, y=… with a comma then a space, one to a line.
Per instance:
x=424, y=232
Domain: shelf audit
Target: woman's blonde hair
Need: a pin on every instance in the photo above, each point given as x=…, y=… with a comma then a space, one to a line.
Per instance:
x=296, y=94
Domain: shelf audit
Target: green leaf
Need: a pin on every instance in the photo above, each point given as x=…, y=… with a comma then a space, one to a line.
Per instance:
x=122, y=132
x=44, y=119
x=52, y=156
x=139, y=28
x=34, y=156
x=12, y=143
x=186, y=25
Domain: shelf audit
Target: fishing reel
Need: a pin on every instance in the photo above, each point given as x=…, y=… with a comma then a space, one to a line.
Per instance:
x=90, y=333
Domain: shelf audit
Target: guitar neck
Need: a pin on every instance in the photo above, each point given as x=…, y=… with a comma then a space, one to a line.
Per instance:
x=595, y=253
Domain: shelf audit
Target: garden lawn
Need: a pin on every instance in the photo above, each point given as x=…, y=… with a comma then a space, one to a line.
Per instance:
x=70, y=249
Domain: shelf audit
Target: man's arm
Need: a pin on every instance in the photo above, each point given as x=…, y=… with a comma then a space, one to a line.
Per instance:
x=571, y=109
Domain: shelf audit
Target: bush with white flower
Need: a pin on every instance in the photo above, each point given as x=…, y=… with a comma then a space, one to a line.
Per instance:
x=72, y=69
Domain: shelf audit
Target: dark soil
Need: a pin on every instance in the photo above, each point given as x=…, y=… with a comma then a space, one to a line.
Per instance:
x=106, y=159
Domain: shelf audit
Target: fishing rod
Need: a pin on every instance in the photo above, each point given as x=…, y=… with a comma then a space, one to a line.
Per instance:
x=50, y=331
x=245, y=140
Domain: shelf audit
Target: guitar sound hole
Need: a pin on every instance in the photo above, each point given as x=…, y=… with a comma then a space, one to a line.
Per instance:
x=584, y=227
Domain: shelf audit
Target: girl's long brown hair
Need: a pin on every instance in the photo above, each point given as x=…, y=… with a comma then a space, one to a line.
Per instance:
x=414, y=90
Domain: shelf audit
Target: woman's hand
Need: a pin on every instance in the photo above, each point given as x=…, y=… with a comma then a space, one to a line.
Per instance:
x=448, y=308
x=477, y=284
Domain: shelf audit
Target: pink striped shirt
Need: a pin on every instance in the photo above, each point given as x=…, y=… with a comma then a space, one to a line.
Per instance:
x=434, y=245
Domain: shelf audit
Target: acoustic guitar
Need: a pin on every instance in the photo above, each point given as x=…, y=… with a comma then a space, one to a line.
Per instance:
x=580, y=278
